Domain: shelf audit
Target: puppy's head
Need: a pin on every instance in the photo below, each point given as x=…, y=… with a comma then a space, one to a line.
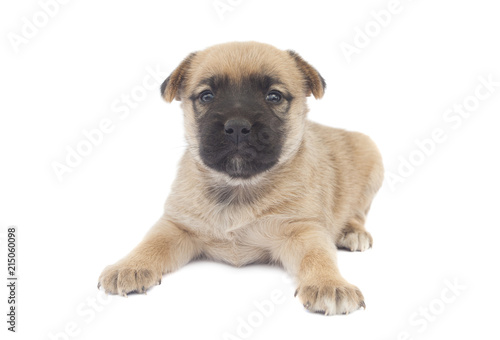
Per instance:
x=244, y=105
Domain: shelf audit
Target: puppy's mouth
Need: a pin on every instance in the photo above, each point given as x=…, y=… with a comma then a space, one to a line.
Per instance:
x=239, y=160
x=235, y=165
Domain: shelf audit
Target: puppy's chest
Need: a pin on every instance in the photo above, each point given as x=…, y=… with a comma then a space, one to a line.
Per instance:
x=230, y=238
x=234, y=251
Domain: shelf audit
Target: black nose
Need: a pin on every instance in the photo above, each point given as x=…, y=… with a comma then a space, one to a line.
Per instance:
x=237, y=129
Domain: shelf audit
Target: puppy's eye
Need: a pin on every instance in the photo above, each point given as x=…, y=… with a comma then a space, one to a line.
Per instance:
x=206, y=96
x=274, y=97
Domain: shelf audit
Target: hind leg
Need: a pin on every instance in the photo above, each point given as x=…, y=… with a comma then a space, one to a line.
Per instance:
x=368, y=174
x=354, y=236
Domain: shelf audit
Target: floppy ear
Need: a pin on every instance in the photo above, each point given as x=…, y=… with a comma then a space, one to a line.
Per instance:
x=172, y=85
x=315, y=82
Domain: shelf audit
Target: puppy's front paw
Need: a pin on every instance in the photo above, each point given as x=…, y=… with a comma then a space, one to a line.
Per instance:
x=125, y=277
x=355, y=240
x=331, y=297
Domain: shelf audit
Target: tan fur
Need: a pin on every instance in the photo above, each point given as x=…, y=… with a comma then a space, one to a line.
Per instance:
x=296, y=214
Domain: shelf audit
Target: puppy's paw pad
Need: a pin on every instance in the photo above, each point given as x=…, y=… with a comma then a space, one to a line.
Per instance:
x=331, y=298
x=125, y=278
x=355, y=240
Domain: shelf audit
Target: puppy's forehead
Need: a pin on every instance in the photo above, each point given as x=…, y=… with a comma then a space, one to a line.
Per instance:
x=235, y=62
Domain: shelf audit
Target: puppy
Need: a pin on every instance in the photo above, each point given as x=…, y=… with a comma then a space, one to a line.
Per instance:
x=259, y=182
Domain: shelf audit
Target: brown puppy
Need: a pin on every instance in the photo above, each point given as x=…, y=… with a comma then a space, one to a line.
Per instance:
x=259, y=182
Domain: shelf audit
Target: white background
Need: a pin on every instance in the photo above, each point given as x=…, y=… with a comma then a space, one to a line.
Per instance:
x=440, y=225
